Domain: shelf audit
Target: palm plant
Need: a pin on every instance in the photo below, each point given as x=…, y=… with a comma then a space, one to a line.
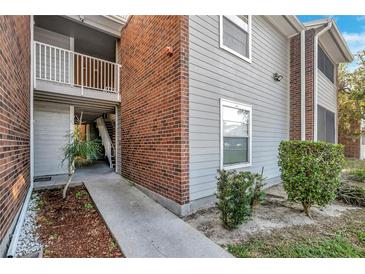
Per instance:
x=77, y=149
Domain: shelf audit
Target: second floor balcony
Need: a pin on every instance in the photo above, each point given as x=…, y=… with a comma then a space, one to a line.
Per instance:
x=60, y=70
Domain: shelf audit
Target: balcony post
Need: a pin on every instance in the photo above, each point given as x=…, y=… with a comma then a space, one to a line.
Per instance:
x=118, y=81
x=82, y=75
x=72, y=62
x=34, y=45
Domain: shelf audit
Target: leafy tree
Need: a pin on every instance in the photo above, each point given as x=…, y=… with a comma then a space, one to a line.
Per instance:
x=78, y=149
x=351, y=97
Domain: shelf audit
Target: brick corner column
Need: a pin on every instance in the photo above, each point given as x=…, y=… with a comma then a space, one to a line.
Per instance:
x=155, y=104
x=309, y=84
x=295, y=88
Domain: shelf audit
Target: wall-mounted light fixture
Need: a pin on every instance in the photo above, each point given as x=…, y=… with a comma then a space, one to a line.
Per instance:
x=169, y=51
x=278, y=77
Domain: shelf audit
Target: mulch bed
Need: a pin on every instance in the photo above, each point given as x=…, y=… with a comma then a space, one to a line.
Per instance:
x=73, y=228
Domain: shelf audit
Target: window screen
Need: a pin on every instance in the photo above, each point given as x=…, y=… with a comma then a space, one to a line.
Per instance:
x=321, y=124
x=236, y=37
x=325, y=64
x=325, y=125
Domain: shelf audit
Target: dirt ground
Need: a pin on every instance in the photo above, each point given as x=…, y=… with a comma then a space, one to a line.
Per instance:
x=73, y=228
x=333, y=237
x=275, y=214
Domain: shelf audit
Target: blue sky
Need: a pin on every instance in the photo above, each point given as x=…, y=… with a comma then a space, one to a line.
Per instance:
x=352, y=28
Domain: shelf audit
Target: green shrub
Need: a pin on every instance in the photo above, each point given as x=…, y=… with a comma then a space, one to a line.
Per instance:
x=237, y=192
x=310, y=171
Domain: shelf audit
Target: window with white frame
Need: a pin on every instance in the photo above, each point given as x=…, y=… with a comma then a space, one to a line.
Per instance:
x=235, y=35
x=236, y=134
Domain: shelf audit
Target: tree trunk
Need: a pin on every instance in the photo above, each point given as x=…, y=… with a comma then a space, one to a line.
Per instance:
x=70, y=176
x=71, y=167
x=306, y=209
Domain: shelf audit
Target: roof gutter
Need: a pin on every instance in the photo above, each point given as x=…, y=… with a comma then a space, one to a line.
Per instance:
x=15, y=236
x=315, y=76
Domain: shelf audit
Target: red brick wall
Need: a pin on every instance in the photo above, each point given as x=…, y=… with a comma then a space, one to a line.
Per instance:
x=14, y=116
x=154, y=104
x=295, y=88
x=309, y=84
x=352, y=145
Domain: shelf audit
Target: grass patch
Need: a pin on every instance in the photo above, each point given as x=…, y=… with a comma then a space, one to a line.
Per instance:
x=345, y=241
x=337, y=247
x=352, y=164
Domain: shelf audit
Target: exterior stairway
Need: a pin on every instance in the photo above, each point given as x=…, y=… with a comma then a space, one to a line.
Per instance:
x=111, y=130
x=107, y=133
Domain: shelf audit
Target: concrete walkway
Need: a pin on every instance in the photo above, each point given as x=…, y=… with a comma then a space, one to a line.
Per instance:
x=142, y=227
x=95, y=171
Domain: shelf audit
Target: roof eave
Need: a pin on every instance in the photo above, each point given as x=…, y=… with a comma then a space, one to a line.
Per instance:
x=296, y=22
x=288, y=25
x=342, y=43
x=348, y=57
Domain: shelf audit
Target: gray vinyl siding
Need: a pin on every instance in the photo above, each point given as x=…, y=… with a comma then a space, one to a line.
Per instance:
x=327, y=95
x=215, y=73
x=51, y=38
x=52, y=64
x=51, y=124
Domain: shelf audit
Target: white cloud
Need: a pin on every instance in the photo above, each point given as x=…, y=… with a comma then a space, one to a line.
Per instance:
x=356, y=41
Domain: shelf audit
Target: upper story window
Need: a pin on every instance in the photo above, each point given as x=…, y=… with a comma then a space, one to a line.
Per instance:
x=236, y=134
x=325, y=64
x=235, y=35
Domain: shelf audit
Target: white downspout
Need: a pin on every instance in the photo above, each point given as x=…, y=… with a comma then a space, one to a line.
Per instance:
x=302, y=85
x=315, y=81
x=15, y=237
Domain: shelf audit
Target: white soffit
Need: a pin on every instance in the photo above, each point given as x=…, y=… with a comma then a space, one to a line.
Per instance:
x=288, y=25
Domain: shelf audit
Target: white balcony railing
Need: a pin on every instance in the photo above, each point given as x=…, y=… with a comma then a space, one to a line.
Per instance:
x=71, y=68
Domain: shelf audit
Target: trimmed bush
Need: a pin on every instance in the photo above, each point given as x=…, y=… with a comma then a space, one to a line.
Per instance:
x=310, y=171
x=237, y=193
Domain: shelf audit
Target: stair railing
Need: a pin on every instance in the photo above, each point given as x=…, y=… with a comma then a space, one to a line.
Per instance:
x=105, y=139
